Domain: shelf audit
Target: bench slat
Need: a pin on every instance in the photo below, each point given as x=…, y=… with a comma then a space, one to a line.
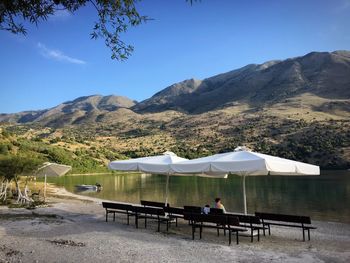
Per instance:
x=120, y=208
x=303, y=222
x=153, y=203
x=284, y=218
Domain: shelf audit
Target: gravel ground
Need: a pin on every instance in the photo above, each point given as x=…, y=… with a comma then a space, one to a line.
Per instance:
x=73, y=229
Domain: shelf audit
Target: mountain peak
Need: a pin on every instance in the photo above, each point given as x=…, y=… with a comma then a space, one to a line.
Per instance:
x=325, y=75
x=177, y=90
x=264, y=84
x=85, y=108
x=83, y=98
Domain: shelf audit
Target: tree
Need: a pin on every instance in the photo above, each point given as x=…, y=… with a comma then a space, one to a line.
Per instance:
x=11, y=168
x=114, y=18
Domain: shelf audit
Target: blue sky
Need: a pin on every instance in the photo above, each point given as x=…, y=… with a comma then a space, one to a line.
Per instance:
x=58, y=62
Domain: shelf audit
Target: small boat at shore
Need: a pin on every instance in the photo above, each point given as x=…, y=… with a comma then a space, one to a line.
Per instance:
x=86, y=187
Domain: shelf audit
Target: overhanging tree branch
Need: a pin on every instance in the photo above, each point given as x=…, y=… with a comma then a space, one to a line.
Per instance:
x=114, y=18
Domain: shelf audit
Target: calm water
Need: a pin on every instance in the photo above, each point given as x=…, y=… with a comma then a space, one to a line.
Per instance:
x=325, y=197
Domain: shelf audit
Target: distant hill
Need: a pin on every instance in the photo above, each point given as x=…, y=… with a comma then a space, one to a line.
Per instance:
x=323, y=74
x=297, y=108
x=81, y=110
x=317, y=76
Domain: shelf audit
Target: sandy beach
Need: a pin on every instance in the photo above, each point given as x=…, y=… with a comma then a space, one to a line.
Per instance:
x=73, y=228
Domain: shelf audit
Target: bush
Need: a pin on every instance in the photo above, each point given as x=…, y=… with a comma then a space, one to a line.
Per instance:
x=4, y=149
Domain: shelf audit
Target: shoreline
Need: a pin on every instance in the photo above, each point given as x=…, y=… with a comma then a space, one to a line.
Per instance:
x=73, y=228
x=99, y=173
x=62, y=192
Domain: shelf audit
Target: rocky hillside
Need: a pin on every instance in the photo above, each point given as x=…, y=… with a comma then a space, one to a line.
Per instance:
x=322, y=74
x=297, y=108
x=81, y=110
x=318, y=76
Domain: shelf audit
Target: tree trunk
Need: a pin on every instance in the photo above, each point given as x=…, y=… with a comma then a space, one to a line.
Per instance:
x=3, y=190
x=22, y=198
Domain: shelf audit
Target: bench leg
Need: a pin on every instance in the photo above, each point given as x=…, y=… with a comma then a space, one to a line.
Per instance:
x=145, y=221
x=114, y=216
x=303, y=234
x=237, y=241
x=200, y=232
x=167, y=225
x=229, y=237
x=269, y=230
x=158, y=225
x=128, y=219
x=251, y=235
x=308, y=234
x=258, y=235
x=106, y=216
x=136, y=221
x=193, y=229
x=264, y=229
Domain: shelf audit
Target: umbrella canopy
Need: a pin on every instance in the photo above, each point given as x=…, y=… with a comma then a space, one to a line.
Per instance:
x=153, y=164
x=160, y=164
x=245, y=163
x=52, y=169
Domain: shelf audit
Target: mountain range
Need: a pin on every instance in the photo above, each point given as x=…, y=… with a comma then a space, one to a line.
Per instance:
x=326, y=75
x=320, y=74
x=298, y=108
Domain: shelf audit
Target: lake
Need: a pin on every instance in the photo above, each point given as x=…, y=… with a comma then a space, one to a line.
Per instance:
x=325, y=197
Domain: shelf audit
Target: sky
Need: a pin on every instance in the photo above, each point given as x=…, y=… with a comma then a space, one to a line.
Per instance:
x=57, y=61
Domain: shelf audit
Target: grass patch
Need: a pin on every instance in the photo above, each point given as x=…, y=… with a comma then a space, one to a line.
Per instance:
x=29, y=216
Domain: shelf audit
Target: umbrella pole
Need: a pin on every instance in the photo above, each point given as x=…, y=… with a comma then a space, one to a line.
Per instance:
x=167, y=189
x=244, y=195
x=45, y=189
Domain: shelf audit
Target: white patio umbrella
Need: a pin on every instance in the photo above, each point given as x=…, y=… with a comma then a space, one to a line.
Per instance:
x=52, y=169
x=159, y=164
x=245, y=163
x=152, y=164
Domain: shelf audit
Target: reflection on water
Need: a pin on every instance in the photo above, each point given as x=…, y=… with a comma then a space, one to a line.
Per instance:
x=325, y=197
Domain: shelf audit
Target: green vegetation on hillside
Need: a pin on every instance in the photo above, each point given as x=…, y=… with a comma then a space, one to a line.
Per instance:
x=82, y=160
x=88, y=148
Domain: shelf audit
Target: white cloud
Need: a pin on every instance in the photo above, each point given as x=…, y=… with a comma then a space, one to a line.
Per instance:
x=60, y=15
x=58, y=55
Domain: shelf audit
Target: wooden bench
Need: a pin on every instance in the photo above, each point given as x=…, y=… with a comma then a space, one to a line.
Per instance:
x=119, y=208
x=223, y=221
x=251, y=222
x=153, y=204
x=247, y=221
x=174, y=213
x=303, y=222
x=192, y=210
x=151, y=213
x=216, y=211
